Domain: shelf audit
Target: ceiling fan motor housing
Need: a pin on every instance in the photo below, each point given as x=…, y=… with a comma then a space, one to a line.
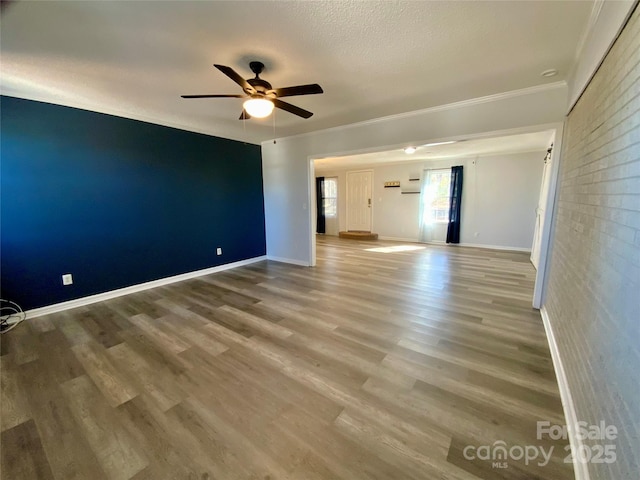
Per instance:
x=262, y=86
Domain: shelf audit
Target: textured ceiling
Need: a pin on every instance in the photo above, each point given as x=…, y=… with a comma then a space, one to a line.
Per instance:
x=373, y=58
x=526, y=142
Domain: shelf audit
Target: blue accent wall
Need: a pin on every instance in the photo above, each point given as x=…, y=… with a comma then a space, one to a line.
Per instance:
x=117, y=202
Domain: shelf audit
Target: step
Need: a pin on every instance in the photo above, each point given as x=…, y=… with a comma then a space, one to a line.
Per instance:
x=357, y=235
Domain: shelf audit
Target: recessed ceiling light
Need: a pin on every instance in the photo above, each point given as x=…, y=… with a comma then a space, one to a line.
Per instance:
x=552, y=72
x=410, y=150
x=438, y=143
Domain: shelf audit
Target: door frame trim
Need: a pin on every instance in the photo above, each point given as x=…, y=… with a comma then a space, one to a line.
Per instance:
x=546, y=233
x=547, y=170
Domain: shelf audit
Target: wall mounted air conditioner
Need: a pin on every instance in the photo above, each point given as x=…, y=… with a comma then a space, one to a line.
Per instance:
x=412, y=185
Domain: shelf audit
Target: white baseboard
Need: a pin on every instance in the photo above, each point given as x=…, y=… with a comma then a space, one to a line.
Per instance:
x=288, y=260
x=494, y=247
x=580, y=469
x=399, y=239
x=80, y=302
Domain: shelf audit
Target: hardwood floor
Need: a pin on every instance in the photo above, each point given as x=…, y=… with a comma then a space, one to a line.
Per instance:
x=372, y=365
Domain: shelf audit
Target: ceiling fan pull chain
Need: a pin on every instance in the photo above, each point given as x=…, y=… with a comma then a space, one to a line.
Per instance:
x=274, y=127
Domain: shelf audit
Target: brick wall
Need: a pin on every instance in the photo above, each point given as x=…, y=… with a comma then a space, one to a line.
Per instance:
x=593, y=294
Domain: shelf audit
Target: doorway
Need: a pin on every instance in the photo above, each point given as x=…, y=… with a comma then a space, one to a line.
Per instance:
x=359, y=205
x=341, y=161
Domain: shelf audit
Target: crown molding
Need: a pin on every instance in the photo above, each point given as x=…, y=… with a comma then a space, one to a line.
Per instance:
x=129, y=116
x=438, y=108
x=607, y=20
x=588, y=29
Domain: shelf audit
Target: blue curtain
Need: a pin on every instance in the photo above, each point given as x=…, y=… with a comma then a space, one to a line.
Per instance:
x=455, y=202
x=320, y=218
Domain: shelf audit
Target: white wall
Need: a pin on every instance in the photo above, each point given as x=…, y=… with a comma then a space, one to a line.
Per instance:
x=395, y=215
x=499, y=198
x=504, y=210
x=286, y=164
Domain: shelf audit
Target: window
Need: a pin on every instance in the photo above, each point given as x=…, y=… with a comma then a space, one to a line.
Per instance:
x=436, y=197
x=330, y=197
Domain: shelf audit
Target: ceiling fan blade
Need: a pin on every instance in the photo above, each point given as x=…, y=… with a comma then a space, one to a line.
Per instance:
x=301, y=112
x=235, y=76
x=212, y=96
x=244, y=115
x=311, y=89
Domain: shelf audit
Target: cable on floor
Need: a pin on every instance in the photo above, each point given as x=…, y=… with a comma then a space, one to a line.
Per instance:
x=11, y=315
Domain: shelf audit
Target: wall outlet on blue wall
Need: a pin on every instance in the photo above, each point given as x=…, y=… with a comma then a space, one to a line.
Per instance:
x=67, y=279
x=219, y=251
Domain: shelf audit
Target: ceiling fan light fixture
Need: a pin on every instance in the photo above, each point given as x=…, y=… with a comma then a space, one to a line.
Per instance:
x=258, y=107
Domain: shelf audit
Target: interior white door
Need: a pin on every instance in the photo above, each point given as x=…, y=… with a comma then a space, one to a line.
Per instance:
x=359, y=200
x=541, y=210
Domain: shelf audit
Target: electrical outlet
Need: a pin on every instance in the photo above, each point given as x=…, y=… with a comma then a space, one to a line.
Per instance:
x=219, y=251
x=67, y=279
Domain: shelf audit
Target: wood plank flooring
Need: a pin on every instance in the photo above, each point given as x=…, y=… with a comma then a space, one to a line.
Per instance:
x=372, y=365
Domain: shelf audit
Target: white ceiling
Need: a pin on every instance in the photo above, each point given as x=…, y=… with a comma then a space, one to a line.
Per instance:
x=527, y=142
x=373, y=58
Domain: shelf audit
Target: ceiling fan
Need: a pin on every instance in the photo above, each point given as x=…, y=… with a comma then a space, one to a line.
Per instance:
x=262, y=97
